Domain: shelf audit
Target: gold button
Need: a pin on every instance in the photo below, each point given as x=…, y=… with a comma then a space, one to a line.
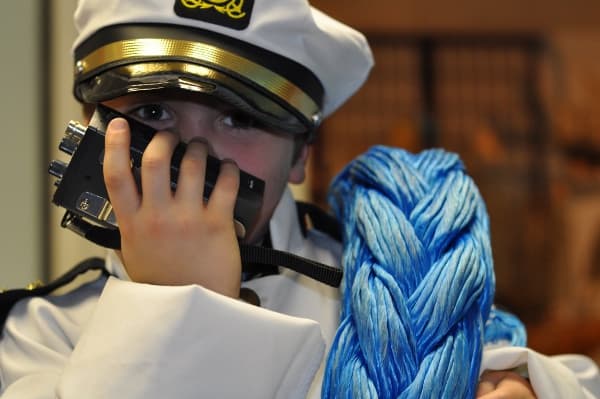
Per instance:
x=34, y=285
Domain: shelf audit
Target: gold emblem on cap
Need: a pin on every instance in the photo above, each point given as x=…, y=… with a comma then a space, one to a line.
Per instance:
x=232, y=8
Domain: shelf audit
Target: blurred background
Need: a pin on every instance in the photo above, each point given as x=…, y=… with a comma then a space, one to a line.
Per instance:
x=512, y=86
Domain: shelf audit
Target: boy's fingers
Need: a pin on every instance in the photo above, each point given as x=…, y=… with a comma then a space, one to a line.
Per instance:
x=156, y=170
x=503, y=383
x=224, y=194
x=492, y=377
x=484, y=387
x=190, y=184
x=116, y=168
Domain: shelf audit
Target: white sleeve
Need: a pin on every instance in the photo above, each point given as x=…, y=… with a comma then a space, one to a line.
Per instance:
x=565, y=376
x=146, y=341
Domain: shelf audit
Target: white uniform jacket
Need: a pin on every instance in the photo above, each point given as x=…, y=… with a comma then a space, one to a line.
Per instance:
x=113, y=338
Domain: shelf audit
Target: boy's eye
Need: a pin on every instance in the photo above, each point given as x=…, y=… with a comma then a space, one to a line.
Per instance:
x=151, y=112
x=239, y=120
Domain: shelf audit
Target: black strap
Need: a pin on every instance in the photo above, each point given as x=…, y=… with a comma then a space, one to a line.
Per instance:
x=320, y=220
x=254, y=258
x=9, y=298
x=105, y=237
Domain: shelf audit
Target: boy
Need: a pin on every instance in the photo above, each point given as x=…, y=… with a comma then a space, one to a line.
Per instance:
x=248, y=82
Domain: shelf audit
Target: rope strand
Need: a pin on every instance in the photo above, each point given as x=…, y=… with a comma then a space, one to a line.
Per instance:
x=418, y=279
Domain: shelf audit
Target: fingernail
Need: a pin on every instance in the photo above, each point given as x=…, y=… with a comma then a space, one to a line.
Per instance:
x=118, y=124
x=229, y=160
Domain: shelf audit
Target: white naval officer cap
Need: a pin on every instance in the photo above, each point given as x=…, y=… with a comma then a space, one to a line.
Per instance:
x=282, y=61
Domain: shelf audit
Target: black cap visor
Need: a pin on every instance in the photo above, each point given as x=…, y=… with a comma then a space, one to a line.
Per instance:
x=157, y=76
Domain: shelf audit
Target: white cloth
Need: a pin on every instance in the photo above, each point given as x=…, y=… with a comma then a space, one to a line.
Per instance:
x=113, y=338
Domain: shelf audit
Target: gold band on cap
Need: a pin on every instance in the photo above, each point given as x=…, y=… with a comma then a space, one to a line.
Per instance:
x=154, y=49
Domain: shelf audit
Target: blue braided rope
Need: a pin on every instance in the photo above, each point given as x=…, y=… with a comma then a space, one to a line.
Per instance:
x=418, y=279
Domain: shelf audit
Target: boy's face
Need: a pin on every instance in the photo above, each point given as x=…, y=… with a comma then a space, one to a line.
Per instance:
x=271, y=156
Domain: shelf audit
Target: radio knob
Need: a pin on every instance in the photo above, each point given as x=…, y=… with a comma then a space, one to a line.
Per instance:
x=57, y=168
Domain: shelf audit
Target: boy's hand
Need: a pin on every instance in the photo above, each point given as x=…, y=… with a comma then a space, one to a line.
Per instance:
x=504, y=384
x=173, y=238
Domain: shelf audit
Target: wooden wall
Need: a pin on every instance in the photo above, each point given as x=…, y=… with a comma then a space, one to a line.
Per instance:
x=529, y=134
x=464, y=15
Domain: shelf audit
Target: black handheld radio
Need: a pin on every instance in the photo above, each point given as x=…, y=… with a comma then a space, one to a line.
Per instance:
x=80, y=185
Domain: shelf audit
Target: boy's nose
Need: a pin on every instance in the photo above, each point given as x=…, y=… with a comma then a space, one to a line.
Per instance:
x=194, y=127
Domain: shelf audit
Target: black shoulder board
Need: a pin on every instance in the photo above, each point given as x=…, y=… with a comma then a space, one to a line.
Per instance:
x=320, y=219
x=10, y=297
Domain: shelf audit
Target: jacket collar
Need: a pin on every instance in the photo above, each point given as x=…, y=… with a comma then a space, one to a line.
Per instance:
x=286, y=233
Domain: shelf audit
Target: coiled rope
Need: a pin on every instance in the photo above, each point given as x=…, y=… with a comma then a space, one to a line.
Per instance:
x=418, y=279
